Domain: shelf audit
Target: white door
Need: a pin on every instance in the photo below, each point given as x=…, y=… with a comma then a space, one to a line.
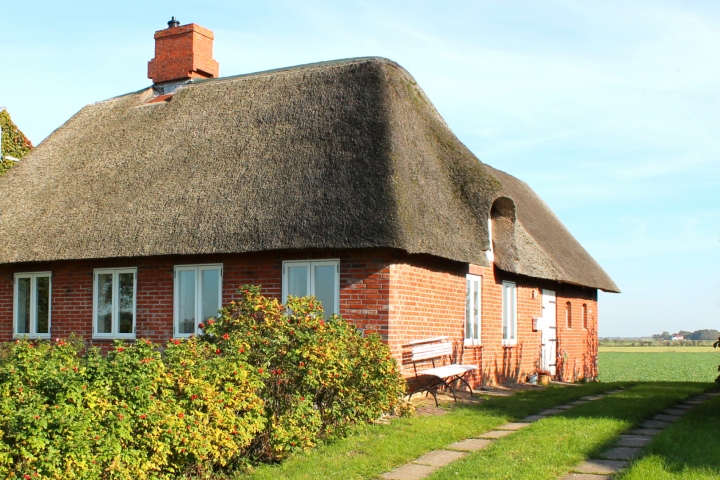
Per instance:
x=548, y=352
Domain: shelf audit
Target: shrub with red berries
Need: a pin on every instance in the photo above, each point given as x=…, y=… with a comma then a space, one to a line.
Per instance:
x=323, y=374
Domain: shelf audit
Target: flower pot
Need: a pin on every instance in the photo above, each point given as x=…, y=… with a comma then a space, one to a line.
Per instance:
x=532, y=379
x=543, y=379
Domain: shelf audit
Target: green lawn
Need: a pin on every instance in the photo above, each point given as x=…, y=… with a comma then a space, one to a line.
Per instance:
x=658, y=366
x=689, y=450
x=551, y=447
x=656, y=349
x=373, y=450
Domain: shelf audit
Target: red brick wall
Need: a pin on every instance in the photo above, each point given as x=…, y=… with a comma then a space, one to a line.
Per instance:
x=427, y=299
x=364, y=279
x=399, y=296
x=577, y=345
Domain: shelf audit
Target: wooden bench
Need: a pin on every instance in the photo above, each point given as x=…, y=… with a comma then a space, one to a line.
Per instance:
x=431, y=379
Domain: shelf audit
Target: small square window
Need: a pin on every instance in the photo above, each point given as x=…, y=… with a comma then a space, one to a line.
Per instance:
x=198, y=297
x=318, y=278
x=114, y=294
x=32, y=305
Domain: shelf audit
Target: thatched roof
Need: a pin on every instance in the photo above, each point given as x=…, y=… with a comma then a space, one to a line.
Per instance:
x=540, y=245
x=344, y=154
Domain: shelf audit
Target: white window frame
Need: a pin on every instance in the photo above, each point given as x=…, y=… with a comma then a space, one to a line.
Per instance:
x=509, y=314
x=198, y=269
x=311, y=278
x=116, y=303
x=33, y=276
x=475, y=338
x=490, y=254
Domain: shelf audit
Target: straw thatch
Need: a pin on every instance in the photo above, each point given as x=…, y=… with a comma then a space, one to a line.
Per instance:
x=344, y=154
x=538, y=244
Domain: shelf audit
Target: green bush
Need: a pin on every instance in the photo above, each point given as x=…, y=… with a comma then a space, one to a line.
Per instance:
x=263, y=381
x=132, y=414
x=321, y=376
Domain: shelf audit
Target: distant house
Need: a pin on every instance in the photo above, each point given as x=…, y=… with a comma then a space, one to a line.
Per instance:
x=142, y=214
x=678, y=336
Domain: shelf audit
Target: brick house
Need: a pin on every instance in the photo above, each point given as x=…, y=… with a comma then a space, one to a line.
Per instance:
x=142, y=214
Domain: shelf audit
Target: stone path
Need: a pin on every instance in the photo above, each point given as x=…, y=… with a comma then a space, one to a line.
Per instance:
x=428, y=463
x=630, y=445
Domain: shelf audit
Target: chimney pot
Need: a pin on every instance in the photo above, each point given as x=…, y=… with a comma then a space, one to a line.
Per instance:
x=173, y=23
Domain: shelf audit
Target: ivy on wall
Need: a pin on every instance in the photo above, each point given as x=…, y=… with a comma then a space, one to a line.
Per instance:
x=13, y=143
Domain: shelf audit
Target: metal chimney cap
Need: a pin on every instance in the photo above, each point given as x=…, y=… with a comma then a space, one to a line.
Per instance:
x=173, y=23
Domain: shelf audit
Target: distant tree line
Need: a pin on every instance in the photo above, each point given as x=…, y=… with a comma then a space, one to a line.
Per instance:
x=696, y=335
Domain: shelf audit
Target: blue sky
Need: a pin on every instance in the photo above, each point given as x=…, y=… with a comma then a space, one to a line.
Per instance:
x=609, y=110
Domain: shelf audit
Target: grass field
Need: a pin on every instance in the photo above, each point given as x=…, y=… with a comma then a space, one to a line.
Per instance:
x=685, y=349
x=649, y=366
x=688, y=450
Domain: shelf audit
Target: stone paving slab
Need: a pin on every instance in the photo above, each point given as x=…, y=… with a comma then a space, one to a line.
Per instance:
x=606, y=467
x=585, y=476
x=496, y=434
x=513, y=426
x=578, y=402
x=633, y=440
x=621, y=453
x=654, y=424
x=439, y=458
x=683, y=407
x=564, y=407
x=551, y=411
x=693, y=402
x=593, y=397
x=666, y=417
x=533, y=418
x=675, y=411
x=410, y=471
x=470, y=444
x=650, y=432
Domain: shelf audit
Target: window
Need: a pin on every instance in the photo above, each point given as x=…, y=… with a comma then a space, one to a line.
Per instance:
x=318, y=278
x=473, y=297
x=114, y=303
x=584, y=316
x=568, y=314
x=32, y=305
x=509, y=313
x=198, y=296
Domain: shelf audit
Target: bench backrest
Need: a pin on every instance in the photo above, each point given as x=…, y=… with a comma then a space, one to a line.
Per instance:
x=431, y=350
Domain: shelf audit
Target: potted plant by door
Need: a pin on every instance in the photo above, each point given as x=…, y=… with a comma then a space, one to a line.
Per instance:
x=543, y=376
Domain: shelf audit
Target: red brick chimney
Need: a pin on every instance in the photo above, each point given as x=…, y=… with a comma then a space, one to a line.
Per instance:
x=182, y=52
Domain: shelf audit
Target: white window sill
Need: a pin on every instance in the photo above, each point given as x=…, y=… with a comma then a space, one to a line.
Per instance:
x=114, y=337
x=20, y=336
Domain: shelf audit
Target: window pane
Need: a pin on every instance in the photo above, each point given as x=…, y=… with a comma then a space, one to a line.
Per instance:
x=210, y=293
x=298, y=281
x=512, y=313
x=126, y=297
x=468, y=316
x=42, y=297
x=104, y=303
x=325, y=287
x=23, y=305
x=186, y=301
x=476, y=310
